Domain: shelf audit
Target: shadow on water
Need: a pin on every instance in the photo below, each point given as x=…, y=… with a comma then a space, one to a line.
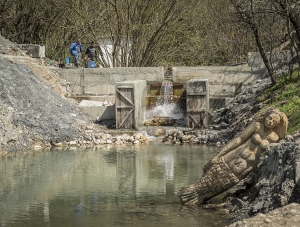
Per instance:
x=107, y=186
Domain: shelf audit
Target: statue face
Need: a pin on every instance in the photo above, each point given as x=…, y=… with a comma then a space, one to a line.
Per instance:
x=272, y=120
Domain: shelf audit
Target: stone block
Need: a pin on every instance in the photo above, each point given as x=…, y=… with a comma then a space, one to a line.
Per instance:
x=35, y=51
x=100, y=112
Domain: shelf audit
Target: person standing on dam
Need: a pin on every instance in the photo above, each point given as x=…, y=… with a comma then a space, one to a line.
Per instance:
x=75, y=50
x=91, y=53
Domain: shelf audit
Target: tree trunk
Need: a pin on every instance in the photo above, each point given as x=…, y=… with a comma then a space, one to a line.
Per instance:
x=263, y=54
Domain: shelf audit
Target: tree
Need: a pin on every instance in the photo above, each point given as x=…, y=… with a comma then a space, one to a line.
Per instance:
x=289, y=11
x=259, y=17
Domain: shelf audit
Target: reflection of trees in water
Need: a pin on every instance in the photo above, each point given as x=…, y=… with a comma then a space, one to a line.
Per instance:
x=110, y=153
x=82, y=181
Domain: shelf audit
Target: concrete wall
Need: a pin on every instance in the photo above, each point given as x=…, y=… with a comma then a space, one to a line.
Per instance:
x=255, y=59
x=225, y=82
x=100, y=112
x=101, y=81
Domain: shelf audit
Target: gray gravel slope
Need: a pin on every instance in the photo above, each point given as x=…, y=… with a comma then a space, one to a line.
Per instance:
x=36, y=107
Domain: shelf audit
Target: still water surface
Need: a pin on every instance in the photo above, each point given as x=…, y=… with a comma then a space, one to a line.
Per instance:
x=107, y=186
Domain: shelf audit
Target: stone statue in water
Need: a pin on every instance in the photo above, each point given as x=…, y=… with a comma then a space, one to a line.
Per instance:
x=237, y=159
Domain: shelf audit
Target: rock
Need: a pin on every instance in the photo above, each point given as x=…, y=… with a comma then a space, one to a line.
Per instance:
x=160, y=132
x=195, y=140
x=125, y=137
x=58, y=144
x=109, y=141
x=72, y=143
x=118, y=143
x=37, y=147
x=267, y=195
x=160, y=121
x=172, y=132
x=150, y=140
x=137, y=136
x=89, y=127
x=179, y=135
x=217, y=121
x=106, y=136
x=217, y=127
x=186, y=137
x=159, y=140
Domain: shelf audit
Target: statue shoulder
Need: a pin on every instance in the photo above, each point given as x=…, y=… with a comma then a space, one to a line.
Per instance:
x=254, y=127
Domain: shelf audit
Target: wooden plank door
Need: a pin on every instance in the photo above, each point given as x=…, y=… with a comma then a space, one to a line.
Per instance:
x=196, y=106
x=124, y=107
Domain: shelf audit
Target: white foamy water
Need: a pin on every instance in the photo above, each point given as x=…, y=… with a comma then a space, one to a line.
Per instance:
x=165, y=106
x=165, y=110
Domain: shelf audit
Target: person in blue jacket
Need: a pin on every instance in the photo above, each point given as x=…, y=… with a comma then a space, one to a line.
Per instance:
x=75, y=50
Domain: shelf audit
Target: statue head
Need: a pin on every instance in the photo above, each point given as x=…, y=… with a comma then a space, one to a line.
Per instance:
x=273, y=119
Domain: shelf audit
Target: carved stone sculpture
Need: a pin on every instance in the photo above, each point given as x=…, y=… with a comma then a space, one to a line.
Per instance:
x=236, y=160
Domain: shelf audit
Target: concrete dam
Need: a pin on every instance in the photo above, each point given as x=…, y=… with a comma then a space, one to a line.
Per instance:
x=124, y=95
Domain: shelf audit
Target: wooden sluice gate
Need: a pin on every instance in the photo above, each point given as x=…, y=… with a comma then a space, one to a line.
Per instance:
x=197, y=102
x=124, y=107
x=130, y=104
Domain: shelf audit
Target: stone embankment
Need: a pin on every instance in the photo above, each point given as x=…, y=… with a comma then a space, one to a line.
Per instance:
x=91, y=136
x=187, y=136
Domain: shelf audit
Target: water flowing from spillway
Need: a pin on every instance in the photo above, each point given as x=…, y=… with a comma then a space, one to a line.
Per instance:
x=165, y=106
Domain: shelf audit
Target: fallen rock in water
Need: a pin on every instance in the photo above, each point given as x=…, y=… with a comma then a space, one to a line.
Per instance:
x=160, y=121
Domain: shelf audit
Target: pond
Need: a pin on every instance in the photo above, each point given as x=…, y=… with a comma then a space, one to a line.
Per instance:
x=107, y=186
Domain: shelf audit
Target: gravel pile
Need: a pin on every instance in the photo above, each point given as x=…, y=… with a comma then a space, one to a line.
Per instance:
x=30, y=111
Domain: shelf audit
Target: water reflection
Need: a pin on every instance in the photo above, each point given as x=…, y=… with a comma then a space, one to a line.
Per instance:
x=107, y=186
